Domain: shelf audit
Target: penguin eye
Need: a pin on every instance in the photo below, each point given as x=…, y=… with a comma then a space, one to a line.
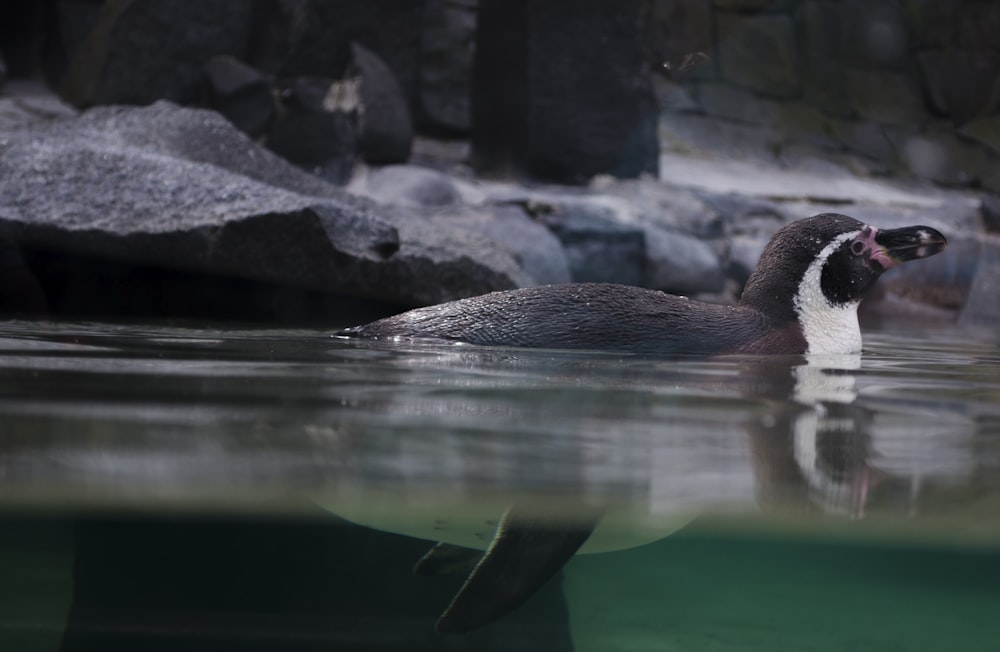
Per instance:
x=857, y=247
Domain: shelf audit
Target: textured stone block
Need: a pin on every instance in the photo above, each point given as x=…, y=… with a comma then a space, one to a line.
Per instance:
x=962, y=84
x=759, y=52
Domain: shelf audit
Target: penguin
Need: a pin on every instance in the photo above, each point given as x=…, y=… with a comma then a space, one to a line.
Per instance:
x=802, y=298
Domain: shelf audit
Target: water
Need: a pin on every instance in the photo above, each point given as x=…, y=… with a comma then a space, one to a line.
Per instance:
x=181, y=488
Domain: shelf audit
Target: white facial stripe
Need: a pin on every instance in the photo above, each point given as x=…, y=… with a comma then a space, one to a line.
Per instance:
x=828, y=328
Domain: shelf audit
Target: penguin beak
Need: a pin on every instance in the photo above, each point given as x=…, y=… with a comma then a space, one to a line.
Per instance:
x=911, y=242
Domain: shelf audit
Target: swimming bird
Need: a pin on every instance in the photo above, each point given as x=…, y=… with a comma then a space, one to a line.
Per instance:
x=802, y=297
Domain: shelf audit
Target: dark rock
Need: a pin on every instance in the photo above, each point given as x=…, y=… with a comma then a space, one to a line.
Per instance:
x=979, y=24
x=752, y=5
x=316, y=126
x=385, y=128
x=24, y=103
x=682, y=28
x=241, y=93
x=886, y=96
x=962, y=84
x=562, y=90
x=991, y=213
x=876, y=141
x=446, y=47
x=985, y=130
x=406, y=185
x=140, y=52
x=874, y=34
x=598, y=247
x=820, y=27
x=182, y=189
x=312, y=38
x=932, y=23
x=759, y=52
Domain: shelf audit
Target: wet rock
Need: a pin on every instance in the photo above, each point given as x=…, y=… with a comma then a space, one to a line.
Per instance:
x=446, y=50
x=241, y=93
x=554, y=110
x=385, y=128
x=759, y=52
x=182, y=189
x=140, y=52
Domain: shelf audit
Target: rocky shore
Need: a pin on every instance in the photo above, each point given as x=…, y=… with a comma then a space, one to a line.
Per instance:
x=134, y=206
x=323, y=171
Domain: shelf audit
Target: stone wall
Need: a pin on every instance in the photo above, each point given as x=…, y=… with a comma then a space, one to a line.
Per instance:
x=903, y=87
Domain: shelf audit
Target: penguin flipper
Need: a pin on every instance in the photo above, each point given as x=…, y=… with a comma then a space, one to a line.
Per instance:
x=447, y=559
x=525, y=553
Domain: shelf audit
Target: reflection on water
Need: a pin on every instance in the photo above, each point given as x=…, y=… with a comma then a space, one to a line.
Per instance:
x=841, y=491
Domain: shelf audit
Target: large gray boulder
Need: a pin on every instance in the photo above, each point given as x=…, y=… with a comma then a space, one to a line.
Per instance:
x=183, y=189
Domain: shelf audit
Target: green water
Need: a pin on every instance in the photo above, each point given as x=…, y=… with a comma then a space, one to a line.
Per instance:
x=206, y=489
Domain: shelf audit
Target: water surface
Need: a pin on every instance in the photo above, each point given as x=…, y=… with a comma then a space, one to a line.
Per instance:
x=771, y=503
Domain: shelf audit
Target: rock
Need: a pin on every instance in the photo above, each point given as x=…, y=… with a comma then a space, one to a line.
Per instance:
x=446, y=47
x=877, y=141
x=932, y=24
x=25, y=103
x=680, y=263
x=820, y=25
x=874, y=34
x=312, y=38
x=316, y=126
x=140, y=52
x=181, y=189
x=698, y=135
x=598, y=246
x=962, y=85
x=752, y=5
x=759, y=52
x=979, y=24
x=409, y=185
x=886, y=97
x=562, y=91
x=241, y=93
x=985, y=130
x=944, y=159
x=982, y=311
x=682, y=28
x=536, y=249
x=385, y=128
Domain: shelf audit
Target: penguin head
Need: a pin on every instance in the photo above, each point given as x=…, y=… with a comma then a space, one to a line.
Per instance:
x=817, y=271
